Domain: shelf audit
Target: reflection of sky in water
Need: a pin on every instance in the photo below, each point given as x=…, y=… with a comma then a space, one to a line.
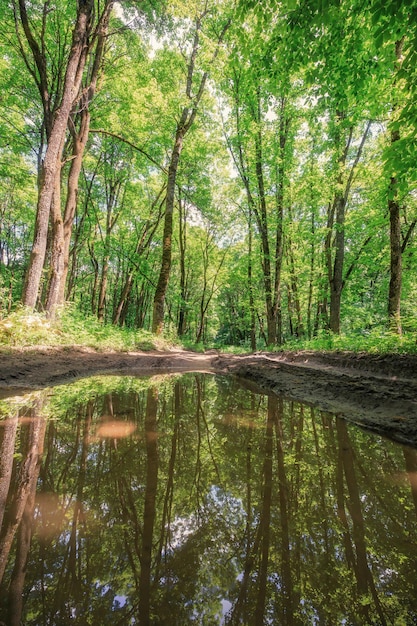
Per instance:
x=197, y=501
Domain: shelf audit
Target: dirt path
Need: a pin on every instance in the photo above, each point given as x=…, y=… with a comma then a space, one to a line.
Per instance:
x=376, y=392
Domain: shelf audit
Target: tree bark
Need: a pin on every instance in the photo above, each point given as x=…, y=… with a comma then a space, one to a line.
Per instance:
x=336, y=279
x=52, y=161
x=262, y=220
x=182, y=236
x=160, y=292
x=250, y=285
x=80, y=138
x=395, y=283
x=336, y=217
x=56, y=264
x=188, y=116
x=79, y=143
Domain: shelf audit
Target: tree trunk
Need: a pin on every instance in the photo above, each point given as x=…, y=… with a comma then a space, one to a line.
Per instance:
x=284, y=125
x=80, y=139
x=394, y=295
x=188, y=116
x=250, y=287
x=56, y=264
x=103, y=288
x=262, y=220
x=182, y=236
x=336, y=280
x=79, y=143
x=161, y=288
x=52, y=161
x=143, y=243
x=337, y=216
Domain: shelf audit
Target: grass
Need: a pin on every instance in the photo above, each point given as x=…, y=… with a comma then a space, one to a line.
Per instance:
x=24, y=328
x=377, y=341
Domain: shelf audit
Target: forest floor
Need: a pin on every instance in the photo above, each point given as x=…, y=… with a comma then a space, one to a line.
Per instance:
x=377, y=392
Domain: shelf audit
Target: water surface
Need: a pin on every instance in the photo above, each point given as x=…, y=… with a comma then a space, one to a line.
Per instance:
x=188, y=499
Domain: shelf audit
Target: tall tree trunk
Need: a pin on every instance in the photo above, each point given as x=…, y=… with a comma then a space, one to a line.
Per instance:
x=250, y=286
x=208, y=286
x=57, y=246
x=101, y=307
x=336, y=279
x=182, y=236
x=80, y=138
x=161, y=288
x=311, y=277
x=262, y=220
x=284, y=125
x=187, y=118
x=395, y=283
x=52, y=160
x=79, y=143
x=336, y=218
x=143, y=244
x=298, y=328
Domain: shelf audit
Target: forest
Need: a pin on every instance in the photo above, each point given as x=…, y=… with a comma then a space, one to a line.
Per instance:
x=221, y=172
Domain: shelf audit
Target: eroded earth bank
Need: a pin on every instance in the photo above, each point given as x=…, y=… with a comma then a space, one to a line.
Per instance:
x=376, y=392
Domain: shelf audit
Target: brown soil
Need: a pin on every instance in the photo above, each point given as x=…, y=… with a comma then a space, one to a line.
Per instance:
x=376, y=392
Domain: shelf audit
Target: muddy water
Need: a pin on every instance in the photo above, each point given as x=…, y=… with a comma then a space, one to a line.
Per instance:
x=188, y=499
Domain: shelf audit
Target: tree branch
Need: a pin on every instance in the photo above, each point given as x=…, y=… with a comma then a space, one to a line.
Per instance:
x=101, y=131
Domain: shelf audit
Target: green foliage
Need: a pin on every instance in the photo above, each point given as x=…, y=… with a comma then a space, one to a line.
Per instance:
x=379, y=340
x=332, y=64
x=24, y=328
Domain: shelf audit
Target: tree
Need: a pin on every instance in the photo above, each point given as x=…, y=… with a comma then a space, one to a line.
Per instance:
x=57, y=107
x=79, y=125
x=196, y=80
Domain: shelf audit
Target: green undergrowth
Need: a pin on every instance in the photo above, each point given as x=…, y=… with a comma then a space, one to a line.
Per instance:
x=377, y=341
x=24, y=328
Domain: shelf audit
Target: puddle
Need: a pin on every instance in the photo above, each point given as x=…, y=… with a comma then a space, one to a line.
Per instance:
x=190, y=500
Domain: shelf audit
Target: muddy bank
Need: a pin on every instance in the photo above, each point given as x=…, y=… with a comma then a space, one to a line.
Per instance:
x=376, y=392
x=25, y=369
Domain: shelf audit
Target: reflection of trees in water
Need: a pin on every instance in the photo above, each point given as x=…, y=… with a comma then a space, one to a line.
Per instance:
x=17, y=514
x=223, y=505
